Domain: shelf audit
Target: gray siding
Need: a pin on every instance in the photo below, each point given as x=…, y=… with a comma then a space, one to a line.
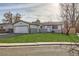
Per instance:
x=34, y=30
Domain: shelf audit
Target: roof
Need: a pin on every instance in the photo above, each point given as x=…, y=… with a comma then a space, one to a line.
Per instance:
x=5, y=24
x=44, y=23
x=22, y=21
x=52, y=23
x=26, y=22
x=35, y=23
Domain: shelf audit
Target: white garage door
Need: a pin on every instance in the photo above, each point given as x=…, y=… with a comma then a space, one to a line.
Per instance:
x=21, y=29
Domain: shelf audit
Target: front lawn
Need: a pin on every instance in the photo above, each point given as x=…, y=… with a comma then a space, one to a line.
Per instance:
x=42, y=37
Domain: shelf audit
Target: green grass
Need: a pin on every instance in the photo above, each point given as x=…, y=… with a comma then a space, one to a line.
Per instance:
x=42, y=37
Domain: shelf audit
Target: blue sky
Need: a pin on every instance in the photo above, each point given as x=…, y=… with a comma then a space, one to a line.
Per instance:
x=32, y=11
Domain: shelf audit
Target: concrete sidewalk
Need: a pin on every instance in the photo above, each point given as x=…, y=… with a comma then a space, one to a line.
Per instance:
x=36, y=44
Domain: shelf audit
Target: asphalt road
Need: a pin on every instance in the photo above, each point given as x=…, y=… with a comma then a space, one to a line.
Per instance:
x=43, y=50
x=5, y=35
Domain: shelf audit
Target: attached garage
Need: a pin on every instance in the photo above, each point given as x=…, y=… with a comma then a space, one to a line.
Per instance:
x=21, y=27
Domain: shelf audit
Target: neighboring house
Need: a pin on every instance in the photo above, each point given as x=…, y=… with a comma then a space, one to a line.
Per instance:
x=6, y=27
x=34, y=27
x=56, y=27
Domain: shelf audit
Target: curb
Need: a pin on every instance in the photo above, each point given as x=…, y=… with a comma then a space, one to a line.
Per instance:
x=36, y=44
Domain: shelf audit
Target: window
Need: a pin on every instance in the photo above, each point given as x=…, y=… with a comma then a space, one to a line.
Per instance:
x=54, y=26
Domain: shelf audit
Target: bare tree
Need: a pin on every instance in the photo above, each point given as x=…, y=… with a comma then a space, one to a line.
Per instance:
x=70, y=15
x=17, y=17
x=8, y=17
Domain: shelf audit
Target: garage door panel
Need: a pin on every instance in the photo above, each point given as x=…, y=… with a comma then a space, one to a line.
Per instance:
x=21, y=30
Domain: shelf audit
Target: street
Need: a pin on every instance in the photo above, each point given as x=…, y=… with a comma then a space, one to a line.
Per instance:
x=42, y=50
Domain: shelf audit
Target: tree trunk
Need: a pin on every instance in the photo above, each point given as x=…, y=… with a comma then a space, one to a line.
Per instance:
x=67, y=33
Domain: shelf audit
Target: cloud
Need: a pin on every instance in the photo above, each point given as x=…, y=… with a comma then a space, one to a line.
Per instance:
x=32, y=11
x=45, y=12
